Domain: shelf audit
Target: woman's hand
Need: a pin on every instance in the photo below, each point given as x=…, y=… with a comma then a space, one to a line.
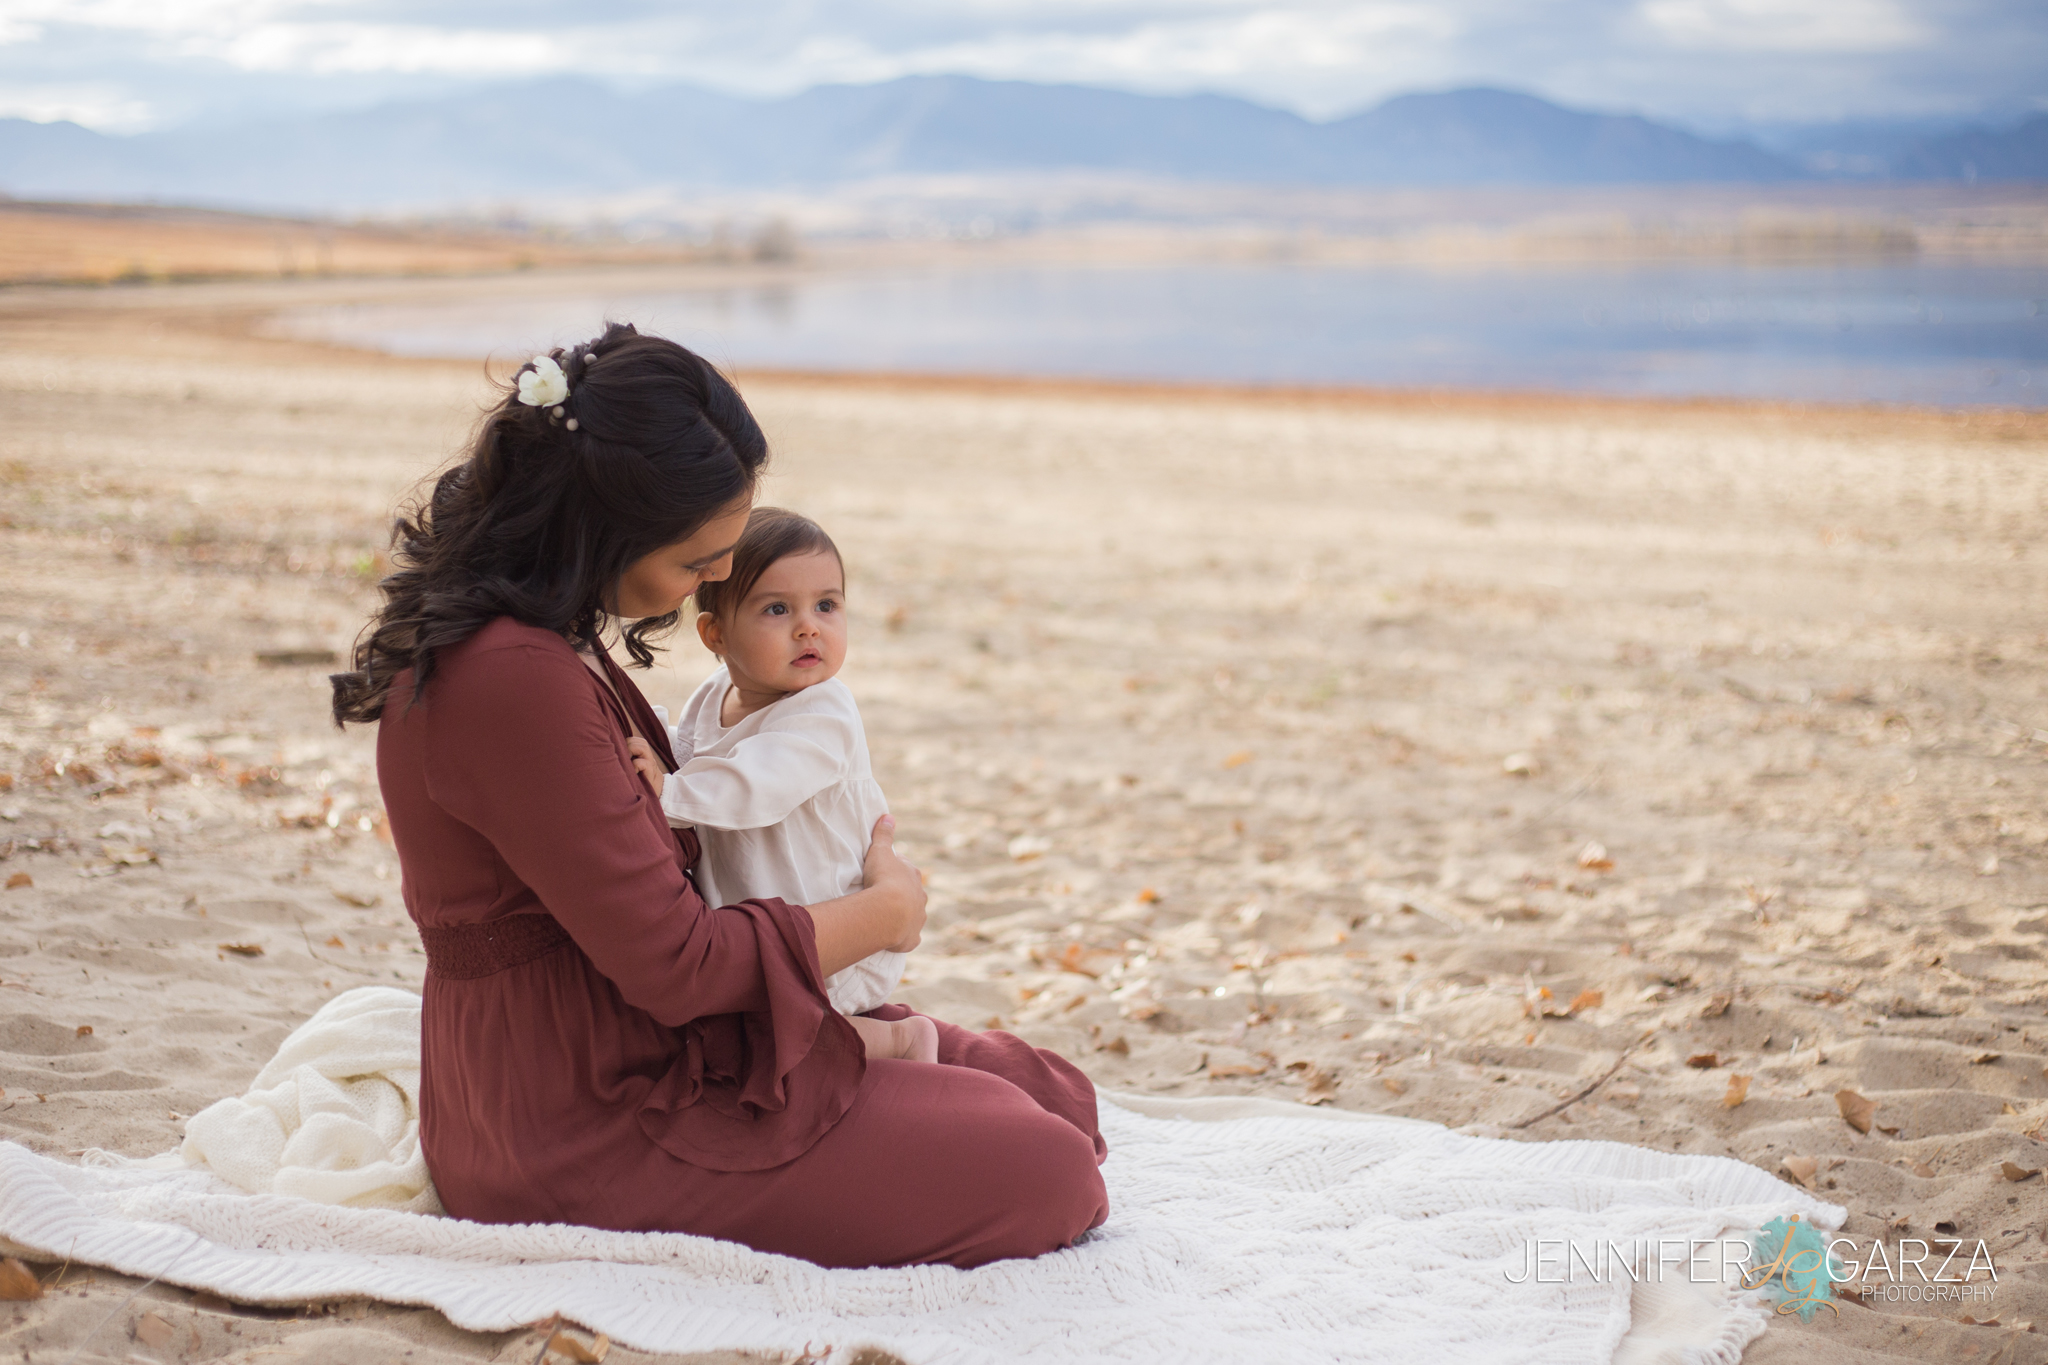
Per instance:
x=885, y=870
x=645, y=763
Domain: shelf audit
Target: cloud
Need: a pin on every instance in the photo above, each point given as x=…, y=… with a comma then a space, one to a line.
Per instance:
x=1316, y=58
x=1817, y=26
x=1706, y=61
x=326, y=48
x=106, y=107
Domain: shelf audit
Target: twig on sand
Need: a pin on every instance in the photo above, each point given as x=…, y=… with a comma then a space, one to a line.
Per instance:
x=546, y=1328
x=1530, y=822
x=196, y=1241
x=325, y=962
x=1443, y=917
x=1603, y=1079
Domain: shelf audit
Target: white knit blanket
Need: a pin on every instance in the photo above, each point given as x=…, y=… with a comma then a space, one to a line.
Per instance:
x=1239, y=1230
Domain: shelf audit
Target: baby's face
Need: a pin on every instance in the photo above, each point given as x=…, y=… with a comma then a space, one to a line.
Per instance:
x=790, y=632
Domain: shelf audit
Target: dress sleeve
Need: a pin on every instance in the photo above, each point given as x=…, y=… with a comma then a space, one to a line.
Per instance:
x=566, y=812
x=766, y=776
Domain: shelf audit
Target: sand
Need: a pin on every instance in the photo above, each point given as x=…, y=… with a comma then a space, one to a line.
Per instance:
x=1532, y=766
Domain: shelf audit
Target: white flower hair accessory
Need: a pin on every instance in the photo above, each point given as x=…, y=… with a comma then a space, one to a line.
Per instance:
x=544, y=385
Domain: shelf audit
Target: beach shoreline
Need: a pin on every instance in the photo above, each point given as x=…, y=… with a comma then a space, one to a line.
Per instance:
x=1526, y=763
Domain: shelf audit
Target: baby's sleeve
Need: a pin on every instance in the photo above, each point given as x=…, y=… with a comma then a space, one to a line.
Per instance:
x=792, y=758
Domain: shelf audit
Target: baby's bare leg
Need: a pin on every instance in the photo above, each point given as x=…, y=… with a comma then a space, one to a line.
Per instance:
x=915, y=1039
x=878, y=1037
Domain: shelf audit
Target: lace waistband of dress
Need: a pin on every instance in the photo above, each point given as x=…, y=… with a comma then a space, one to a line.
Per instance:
x=464, y=952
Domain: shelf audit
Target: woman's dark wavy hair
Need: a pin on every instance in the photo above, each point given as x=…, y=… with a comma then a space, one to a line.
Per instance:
x=551, y=506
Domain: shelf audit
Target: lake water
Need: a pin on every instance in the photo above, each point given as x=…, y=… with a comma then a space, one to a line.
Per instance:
x=1947, y=334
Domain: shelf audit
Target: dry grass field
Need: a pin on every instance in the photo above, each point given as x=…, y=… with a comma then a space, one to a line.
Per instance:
x=104, y=244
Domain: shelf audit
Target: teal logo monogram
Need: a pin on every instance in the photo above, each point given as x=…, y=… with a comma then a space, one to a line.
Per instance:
x=1795, y=1266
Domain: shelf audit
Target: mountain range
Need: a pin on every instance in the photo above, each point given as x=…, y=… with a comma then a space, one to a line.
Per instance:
x=566, y=137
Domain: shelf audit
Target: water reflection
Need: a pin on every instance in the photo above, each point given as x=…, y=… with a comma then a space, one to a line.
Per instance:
x=1950, y=334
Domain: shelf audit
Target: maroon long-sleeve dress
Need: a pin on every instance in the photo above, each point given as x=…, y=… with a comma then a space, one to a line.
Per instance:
x=601, y=1047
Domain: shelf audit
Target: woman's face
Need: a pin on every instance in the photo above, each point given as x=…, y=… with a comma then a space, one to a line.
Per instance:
x=658, y=583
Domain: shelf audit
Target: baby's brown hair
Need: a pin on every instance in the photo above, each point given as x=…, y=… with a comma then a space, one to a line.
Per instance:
x=772, y=533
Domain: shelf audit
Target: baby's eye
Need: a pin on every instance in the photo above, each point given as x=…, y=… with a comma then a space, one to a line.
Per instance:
x=828, y=605
x=777, y=609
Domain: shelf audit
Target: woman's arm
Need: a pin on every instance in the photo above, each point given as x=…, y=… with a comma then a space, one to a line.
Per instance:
x=521, y=748
x=886, y=913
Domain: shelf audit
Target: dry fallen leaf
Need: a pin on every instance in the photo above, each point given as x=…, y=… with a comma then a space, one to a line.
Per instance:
x=154, y=1332
x=1071, y=960
x=1238, y=759
x=2014, y=1171
x=1969, y=1321
x=1856, y=1110
x=17, y=1282
x=1218, y=1073
x=334, y=941
x=1921, y=1169
x=243, y=949
x=1116, y=1045
x=1738, y=1091
x=1319, y=1086
x=358, y=900
x=1394, y=1085
x=1985, y=1058
x=1717, y=1005
x=1585, y=1000
x=1593, y=857
x=19, y=880
x=1148, y=897
x=85, y=1030
x=575, y=1350
x=1704, y=1061
x=1802, y=1169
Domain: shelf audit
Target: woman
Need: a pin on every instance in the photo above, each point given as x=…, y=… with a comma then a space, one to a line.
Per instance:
x=599, y=1046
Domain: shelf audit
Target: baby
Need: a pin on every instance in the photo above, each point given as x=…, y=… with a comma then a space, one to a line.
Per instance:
x=774, y=760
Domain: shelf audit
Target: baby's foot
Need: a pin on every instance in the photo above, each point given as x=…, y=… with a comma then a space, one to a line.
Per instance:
x=920, y=1039
x=915, y=1039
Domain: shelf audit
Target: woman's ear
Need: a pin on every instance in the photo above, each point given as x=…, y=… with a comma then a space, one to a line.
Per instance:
x=708, y=632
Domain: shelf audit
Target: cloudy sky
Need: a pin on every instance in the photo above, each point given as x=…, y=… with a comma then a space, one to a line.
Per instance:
x=121, y=65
